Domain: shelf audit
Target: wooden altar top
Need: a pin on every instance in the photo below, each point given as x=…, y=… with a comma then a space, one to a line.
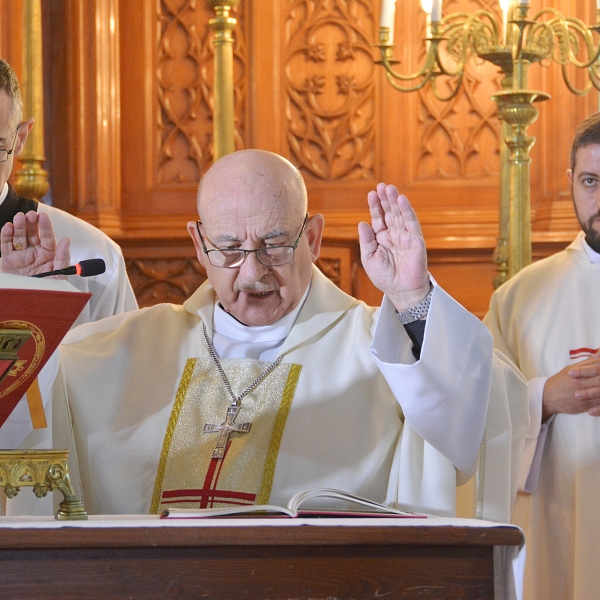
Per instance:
x=144, y=557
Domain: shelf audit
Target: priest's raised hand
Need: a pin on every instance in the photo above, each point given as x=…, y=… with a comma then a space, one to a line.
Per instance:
x=393, y=249
x=29, y=247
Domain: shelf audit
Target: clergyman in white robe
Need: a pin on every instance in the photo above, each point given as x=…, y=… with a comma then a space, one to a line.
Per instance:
x=544, y=319
x=374, y=422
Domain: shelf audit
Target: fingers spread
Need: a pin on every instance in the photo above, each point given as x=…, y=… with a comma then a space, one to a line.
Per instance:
x=46, y=232
x=367, y=240
x=32, y=228
x=376, y=210
x=19, y=238
x=62, y=256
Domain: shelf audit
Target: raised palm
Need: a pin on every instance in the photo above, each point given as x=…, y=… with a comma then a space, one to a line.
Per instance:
x=29, y=247
x=392, y=248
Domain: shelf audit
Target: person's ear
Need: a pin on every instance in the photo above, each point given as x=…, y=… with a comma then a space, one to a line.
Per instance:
x=193, y=231
x=24, y=129
x=314, y=234
x=570, y=176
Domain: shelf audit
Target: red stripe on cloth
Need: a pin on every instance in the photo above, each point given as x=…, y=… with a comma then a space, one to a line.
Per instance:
x=208, y=495
x=583, y=351
x=209, y=492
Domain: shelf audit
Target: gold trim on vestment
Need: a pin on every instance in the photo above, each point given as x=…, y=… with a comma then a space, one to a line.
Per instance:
x=189, y=475
x=286, y=403
x=179, y=398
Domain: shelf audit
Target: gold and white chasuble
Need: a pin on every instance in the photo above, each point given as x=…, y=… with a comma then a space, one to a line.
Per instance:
x=139, y=388
x=245, y=473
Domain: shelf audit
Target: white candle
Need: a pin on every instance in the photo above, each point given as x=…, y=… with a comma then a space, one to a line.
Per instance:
x=597, y=4
x=388, y=13
x=426, y=5
x=436, y=11
x=524, y=2
x=505, y=6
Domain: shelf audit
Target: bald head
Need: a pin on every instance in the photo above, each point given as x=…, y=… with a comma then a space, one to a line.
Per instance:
x=247, y=179
x=250, y=200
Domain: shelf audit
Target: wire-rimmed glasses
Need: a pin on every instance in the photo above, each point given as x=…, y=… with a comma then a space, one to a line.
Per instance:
x=272, y=256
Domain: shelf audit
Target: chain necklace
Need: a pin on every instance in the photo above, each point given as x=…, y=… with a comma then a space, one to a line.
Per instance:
x=229, y=426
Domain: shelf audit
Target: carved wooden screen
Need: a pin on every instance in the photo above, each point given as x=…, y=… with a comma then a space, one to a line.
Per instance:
x=127, y=147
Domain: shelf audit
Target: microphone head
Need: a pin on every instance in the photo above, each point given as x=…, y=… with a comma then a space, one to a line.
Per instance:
x=92, y=266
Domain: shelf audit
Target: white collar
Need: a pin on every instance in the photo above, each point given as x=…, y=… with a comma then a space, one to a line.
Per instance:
x=4, y=193
x=228, y=326
x=593, y=255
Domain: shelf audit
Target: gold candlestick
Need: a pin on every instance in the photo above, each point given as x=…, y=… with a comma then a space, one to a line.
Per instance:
x=32, y=179
x=223, y=115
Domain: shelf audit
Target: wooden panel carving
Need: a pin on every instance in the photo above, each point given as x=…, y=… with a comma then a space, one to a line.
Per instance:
x=184, y=75
x=459, y=138
x=164, y=280
x=329, y=87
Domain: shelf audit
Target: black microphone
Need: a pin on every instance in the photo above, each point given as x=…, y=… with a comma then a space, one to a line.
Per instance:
x=85, y=268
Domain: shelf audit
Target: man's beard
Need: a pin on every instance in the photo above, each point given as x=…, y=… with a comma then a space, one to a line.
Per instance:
x=592, y=236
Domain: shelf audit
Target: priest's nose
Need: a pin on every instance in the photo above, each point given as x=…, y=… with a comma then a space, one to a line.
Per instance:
x=252, y=269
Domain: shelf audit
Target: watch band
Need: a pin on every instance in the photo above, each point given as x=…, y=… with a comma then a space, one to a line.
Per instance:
x=410, y=315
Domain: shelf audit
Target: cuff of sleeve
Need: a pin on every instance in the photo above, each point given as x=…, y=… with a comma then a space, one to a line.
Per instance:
x=391, y=343
x=535, y=438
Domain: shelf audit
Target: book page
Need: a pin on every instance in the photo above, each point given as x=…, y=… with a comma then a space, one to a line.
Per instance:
x=298, y=499
x=225, y=511
x=19, y=282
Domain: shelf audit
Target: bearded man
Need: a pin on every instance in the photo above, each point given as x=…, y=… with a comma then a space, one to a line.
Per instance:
x=544, y=319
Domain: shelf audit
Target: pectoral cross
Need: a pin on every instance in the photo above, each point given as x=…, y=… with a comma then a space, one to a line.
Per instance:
x=226, y=429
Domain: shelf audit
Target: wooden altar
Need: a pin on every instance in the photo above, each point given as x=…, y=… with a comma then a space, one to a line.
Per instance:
x=230, y=560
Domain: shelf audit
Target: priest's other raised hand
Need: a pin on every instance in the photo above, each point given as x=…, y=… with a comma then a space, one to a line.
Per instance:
x=29, y=247
x=393, y=249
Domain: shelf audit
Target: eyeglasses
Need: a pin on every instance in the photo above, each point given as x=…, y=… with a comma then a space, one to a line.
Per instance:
x=4, y=153
x=270, y=257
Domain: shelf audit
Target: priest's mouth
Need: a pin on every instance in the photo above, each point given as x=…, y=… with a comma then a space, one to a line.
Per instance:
x=259, y=294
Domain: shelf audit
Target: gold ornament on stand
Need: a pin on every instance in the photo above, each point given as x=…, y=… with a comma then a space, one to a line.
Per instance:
x=44, y=471
x=512, y=45
x=223, y=110
x=31, y=180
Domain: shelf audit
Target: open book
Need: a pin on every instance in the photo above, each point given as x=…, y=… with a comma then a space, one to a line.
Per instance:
x=371, y=509
x=40, y=311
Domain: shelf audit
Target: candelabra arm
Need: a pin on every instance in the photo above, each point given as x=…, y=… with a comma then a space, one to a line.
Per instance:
x=572, y=88
x=426, y=78
x=425, y=71
x=458, y=29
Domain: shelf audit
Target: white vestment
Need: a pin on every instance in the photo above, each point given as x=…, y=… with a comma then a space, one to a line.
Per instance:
x=112, y=294
x=545, y=318
x=375, y=423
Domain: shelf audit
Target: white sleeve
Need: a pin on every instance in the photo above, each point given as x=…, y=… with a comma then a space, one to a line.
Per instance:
x=535, y=439
x=444, y=395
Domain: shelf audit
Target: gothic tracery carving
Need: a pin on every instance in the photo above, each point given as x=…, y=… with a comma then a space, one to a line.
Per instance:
x=460, y=138
x=185, y=88
x=329, y=85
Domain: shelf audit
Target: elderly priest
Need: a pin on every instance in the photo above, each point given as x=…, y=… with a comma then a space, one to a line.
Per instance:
x=269, y=380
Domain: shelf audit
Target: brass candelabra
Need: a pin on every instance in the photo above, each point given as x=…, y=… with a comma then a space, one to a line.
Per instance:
x=512, y=44
x=223, y=110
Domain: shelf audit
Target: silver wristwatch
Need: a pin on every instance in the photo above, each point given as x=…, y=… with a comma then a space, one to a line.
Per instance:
x=410, y=315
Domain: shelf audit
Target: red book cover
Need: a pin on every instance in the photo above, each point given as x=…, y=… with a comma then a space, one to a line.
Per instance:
x=48, y=314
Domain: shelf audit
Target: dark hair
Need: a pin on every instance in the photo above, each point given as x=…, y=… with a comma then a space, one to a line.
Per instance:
x=10, y=84
x=587, y=133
